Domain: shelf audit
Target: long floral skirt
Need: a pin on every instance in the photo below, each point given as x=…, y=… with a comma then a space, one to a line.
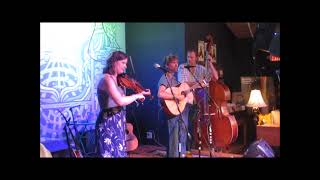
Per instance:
x=111, y=135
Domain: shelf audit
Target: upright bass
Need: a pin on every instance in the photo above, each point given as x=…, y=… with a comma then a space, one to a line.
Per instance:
x=224, y=125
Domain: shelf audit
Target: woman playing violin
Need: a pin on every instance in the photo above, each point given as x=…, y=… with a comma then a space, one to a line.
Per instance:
x=110, y=125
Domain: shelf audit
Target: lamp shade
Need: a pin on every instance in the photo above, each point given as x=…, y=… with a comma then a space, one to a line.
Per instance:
x=255, y=99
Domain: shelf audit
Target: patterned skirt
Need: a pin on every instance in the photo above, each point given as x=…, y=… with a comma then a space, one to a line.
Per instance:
x=111, y=135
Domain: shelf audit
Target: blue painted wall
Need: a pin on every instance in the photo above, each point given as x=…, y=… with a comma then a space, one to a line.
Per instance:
x=72, y=56
x=148, y=43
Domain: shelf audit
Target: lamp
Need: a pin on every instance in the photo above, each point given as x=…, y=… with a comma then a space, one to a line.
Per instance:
x=256, y=101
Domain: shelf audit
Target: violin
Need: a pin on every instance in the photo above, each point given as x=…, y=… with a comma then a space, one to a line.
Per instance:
x=127, y=82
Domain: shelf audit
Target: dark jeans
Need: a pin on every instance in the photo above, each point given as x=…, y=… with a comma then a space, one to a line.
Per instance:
x=177, y=132
x=193, y=114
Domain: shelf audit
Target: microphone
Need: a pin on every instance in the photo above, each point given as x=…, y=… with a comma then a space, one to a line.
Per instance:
x=188, y=66
x=161, y=68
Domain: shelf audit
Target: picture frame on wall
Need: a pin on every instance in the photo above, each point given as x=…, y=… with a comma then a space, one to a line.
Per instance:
x=212, y=50
x=201, y=51
x=239, y=101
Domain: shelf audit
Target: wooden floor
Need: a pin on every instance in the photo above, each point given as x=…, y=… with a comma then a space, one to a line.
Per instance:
x=150, y=151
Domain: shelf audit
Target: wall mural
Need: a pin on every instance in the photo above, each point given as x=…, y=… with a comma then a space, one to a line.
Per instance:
x=72, y=56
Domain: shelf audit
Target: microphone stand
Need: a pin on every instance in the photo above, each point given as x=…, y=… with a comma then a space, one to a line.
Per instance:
x=137, y=103
x=180, y=116
x=209, y=122
x=74, y=123
x=78, y=141
x=66, y=131
x=278, y=74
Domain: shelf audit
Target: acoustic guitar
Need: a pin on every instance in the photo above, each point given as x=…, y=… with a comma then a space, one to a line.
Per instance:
x=131, y=139
x=170, y=106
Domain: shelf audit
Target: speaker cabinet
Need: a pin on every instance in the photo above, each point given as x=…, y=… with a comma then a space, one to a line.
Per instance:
x=259, y=149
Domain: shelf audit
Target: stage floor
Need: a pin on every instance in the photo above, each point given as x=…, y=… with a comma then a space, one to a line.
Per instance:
x=150, y=151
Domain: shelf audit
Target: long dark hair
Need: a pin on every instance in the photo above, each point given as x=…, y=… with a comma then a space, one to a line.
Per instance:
x=115, y=56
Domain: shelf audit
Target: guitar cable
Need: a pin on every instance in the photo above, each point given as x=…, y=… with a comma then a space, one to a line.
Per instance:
x=137, y=125
x=158, y=130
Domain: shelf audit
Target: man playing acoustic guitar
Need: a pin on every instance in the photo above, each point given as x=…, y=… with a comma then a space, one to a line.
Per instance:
x=177, y=128
x=202, y=74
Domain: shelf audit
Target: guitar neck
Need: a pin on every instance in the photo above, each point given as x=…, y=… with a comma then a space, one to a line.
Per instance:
x=187, y=91
x=192, y=88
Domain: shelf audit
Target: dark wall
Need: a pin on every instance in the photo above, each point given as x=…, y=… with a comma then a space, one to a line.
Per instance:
x=148, y=43
x=244, y=65
x=233, y=54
